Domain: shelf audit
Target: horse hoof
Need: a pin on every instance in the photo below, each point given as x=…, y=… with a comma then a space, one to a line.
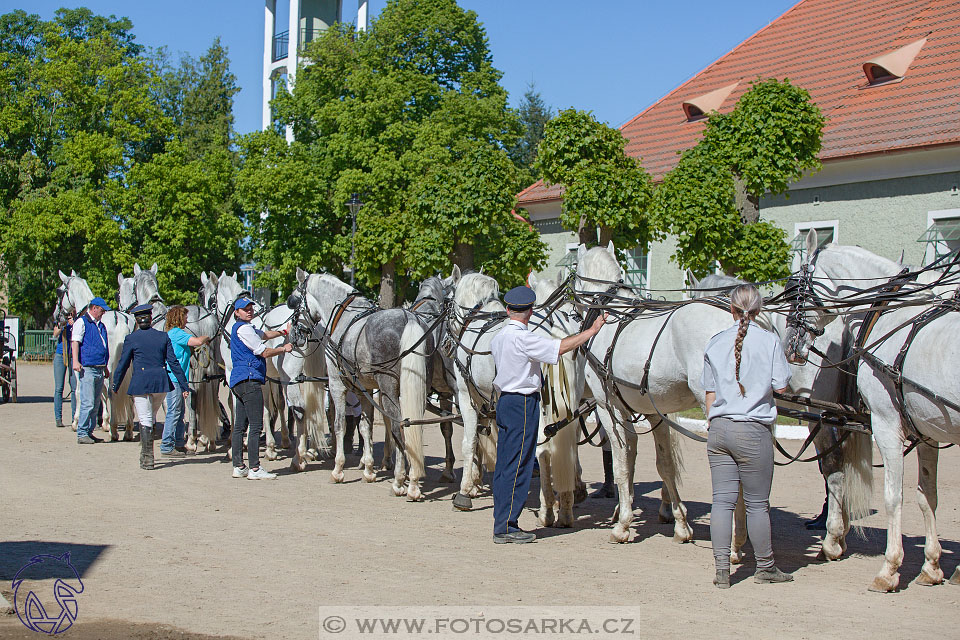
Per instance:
x=736, y=557
x=337, y=476
x=831, y=550
x=369, y=476
x=620, y=534
x=883, y=584
x=683, y=535
x=462, y=502
x=447, y=477
x=414, y=495
x=926, y=579
x=579, y=494
x=398, y=490
x=547, y=519
x=271, y=454
x=564, y=522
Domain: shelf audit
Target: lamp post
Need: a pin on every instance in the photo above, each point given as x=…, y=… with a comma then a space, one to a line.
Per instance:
x=354, y=204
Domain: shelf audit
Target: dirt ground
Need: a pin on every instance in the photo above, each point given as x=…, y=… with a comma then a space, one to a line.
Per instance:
x=187, y=550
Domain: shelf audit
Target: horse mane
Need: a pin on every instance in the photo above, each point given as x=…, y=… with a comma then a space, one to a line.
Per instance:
x=599, y=263
x=476, y=288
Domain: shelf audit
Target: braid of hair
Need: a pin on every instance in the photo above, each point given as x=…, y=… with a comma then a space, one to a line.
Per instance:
x=738, y=347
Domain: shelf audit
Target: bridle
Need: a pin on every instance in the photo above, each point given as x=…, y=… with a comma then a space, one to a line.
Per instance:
x=801, y=291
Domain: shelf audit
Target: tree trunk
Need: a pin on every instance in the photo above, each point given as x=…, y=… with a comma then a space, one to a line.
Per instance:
x=748, y=205
x=606, y=235
x=388, y=285
x=587, y=233
x=463, y=255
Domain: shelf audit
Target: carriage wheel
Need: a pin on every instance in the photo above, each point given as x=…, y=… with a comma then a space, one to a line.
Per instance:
x=13, y=379
x=6, y=379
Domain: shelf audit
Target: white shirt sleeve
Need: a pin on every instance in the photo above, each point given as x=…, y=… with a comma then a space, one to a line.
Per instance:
x=539, y=348
x=79, y=328
x=252, y=337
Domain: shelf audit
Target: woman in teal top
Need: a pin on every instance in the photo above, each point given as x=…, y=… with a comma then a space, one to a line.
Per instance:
x=173, y=444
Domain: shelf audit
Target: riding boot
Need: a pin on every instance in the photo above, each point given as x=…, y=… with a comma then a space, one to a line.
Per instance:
x=146, y=448
x=609, y=488
x=820, y=522
x=348, y=432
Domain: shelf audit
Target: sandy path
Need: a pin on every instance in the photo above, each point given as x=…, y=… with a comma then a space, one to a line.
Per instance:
x=190, y=547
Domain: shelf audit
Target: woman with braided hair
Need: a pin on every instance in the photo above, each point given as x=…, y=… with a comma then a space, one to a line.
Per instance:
x=742, y=366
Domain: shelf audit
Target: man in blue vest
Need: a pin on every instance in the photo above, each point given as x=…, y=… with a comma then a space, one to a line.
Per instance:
x=150, y=351
x=90, y=355
x=249, y=352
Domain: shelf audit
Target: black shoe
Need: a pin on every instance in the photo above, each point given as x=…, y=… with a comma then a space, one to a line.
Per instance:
x=516, y=537
x=86, y=440
x=605, y=492
x=95, y=438
x=60, y=425
x=771, y=576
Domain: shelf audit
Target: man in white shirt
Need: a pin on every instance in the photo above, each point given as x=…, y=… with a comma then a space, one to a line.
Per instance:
x=518, y=354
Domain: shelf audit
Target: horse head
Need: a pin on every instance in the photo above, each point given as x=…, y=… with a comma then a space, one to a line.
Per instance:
x=75, y=296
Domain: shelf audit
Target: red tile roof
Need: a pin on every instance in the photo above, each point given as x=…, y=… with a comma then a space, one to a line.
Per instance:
x=821, y=45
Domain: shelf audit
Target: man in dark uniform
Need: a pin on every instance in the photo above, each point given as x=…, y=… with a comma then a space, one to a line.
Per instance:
x=149, y=350
x=518, y=353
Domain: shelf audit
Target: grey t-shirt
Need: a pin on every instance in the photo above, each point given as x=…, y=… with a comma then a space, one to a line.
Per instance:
x=763, y=368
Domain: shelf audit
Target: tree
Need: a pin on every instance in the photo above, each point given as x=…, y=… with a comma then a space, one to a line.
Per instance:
x=395, y=114
x=534, y=115
x=605, y=188
x=711, y=199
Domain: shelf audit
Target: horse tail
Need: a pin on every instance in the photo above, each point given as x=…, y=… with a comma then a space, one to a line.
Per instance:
x=315, y=413
x=413, y=396
x=857, y=451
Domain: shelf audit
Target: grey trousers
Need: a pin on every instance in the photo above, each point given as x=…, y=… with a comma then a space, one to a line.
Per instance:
x=740, y=454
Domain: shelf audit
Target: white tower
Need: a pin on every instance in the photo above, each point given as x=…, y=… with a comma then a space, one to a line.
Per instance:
x=282, y=48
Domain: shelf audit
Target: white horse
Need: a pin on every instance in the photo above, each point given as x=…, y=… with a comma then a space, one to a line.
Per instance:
x=673, y=381
x=931, y=361
x=372, y=349
x=558, y=455
x=475, y=371
x=117, y=407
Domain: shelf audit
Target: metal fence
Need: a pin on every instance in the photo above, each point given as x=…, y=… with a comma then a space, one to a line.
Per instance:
x=37, y=345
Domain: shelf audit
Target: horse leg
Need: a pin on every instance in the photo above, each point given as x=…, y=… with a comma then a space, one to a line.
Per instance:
x=930, y=573
x=834, y=542
x=338, y=394
x=886, y=432
x=365, y=426
x=739, y=537
x=669, y=463
x=446, y=428
x=546, y=516
x=295, y=404
x=621, y=474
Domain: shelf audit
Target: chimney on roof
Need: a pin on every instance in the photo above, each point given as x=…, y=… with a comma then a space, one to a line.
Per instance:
x=698, y=108
x=892, y=66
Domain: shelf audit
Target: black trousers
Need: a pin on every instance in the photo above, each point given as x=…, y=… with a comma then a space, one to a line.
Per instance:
x=248, y=403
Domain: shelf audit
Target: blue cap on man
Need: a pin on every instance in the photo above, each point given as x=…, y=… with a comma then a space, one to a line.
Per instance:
x=242, y=303
x=143, y=309
x=100, y=302
x=519, y=298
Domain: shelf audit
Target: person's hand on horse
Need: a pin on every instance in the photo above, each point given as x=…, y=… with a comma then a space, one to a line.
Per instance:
x=599, y=322
x=186, y=394
x=287, y=347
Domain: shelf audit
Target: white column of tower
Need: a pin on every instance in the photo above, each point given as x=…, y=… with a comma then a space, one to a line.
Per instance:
x=294, y=51
x=362, y=15
x=269, y=16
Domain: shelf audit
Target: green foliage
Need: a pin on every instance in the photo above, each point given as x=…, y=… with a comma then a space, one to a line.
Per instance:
x=534, y=116
x=86, y=182
x=605, y=188
x=409, y=114
x=710, y=199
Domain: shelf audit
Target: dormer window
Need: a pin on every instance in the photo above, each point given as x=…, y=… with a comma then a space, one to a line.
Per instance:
x=698, y=108
x=891, y=67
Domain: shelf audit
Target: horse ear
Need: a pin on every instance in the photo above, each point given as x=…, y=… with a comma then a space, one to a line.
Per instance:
x=136, y=269
x=234, y=275
x=213, y=277
x=455, y=274
x=301, y=275
x=903, y=254
x=811, y=243
x=611, y=250
x=532, y=280
x=559, y=280
x=120, y=278
x=203, y=278
x=692, y=281
x=63, y=277
x=73, y=274
x=581, y=252
x=154, y=268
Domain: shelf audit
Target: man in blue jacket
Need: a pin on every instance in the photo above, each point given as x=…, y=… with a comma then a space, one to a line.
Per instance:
x=90, y=354
x=149, y=350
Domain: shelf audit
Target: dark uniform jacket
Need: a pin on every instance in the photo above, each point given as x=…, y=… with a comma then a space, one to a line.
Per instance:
x=149, y=350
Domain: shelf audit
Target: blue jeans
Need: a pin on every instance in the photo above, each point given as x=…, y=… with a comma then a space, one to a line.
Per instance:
x=91, y=383
x=518, y=417
x=173, y=427
x=60, y=370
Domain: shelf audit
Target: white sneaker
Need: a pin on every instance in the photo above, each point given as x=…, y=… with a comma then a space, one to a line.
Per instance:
x=260, y=474
x=240, y=472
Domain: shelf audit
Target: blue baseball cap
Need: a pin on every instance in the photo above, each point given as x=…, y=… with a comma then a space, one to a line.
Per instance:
x=100, y=302
x=242, y=303
x=519, y=298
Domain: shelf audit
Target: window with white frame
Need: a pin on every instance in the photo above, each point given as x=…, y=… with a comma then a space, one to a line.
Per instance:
x=826, y=233
x=942, y=236
x=637, y=272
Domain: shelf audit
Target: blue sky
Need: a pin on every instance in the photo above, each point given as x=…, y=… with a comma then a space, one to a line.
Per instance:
x=613, y=57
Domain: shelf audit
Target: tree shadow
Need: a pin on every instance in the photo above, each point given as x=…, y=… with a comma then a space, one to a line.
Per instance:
x=15, y=554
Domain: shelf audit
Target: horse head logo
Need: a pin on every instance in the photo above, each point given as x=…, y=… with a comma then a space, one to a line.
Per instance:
x=37, y=608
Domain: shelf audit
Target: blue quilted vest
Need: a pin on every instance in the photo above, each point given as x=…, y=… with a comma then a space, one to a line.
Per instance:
x=93, y=350
x=246, y=365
